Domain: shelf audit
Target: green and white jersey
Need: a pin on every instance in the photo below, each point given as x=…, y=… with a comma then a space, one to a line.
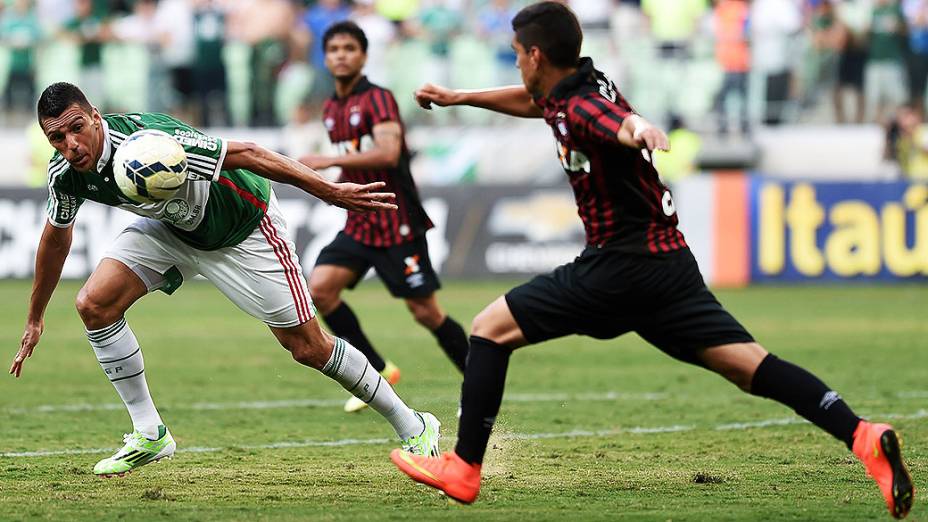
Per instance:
x=216, y=208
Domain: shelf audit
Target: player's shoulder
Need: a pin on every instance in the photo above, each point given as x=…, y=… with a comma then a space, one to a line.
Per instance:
x=375, y=89
x=58, y=170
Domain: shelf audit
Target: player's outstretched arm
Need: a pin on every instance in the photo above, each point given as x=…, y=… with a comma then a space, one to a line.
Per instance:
x=280, y=168
x=513, y=100
x=637, y=133
x=388, y=147
x=49, y=259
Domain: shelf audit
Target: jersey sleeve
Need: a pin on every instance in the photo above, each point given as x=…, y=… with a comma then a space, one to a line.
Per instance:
x=595, y=118
x=383, y=107
x=62, y=206
x=205, y=154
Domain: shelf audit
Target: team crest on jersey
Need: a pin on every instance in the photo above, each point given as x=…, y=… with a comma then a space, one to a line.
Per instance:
x=176, y=210
x=329, y=123
x=561, y=123
x=355, y=117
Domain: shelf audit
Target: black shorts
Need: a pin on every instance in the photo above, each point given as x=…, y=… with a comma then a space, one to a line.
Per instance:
x=604, y=294
x=405, y=269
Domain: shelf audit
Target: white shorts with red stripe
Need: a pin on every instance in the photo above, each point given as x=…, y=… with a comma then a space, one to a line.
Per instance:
x=261, y=275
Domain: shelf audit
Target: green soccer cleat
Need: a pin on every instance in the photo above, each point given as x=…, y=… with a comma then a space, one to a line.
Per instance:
x=137, y=452
x=425, y=443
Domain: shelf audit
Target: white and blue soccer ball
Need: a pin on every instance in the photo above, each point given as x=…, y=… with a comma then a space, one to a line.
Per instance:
x=150, y=166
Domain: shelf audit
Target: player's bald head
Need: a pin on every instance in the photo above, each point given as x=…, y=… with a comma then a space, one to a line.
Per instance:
x=551, y=27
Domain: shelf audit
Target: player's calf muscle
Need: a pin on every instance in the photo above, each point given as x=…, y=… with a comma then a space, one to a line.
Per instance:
x=735, y=362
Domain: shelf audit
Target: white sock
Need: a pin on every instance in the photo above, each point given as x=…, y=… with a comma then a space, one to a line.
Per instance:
x=119, y=354
x=350, y=368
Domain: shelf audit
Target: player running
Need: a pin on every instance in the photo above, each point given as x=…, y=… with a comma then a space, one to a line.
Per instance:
x=224, y=224
x=364, y=124
x=635, y=274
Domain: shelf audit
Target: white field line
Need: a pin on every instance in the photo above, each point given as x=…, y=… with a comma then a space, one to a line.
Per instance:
x=329, y=403
x=573, y=434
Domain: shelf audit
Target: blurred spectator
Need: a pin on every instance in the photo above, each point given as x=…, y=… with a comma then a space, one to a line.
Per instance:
x=734, y=58
x=494, y=26
x=673, y=26
x=20, y=32
x=174, y=26
x=680, y=161
x=316, y=20
x=397, y=10
x=440, y=23
x=592, y=14
x=826, y=39
x=53, y=14
x=774, y=23
x=380, y=33
x=265, y=26
x=138, y=28
x=853, y=21
x=209, y=73
x=916, y=13
x=87, y=29
x=907, y=142
x=885, y=76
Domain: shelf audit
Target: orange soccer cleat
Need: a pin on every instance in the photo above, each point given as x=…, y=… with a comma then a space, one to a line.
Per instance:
x=449, y=473
x=878, y=447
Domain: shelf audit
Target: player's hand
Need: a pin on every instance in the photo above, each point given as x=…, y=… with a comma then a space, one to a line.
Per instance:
x=441, y=96
x=316, y=161
x=26, y=346
x=651, y=139
x=363, y=198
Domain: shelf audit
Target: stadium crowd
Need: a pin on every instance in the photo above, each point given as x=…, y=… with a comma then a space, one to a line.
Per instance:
x=259, y=62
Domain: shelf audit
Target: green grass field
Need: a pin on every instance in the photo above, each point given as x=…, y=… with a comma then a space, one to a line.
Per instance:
x=590, y=430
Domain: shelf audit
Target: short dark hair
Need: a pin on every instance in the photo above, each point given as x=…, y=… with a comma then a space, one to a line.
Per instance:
x=345, y=27
x=551, y=27
x=57, y=97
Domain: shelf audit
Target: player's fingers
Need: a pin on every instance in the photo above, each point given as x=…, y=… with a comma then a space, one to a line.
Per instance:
x=371, y=187
x=381, y=196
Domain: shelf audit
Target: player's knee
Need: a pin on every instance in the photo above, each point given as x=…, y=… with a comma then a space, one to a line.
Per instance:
x=426, y=315
x=93, y=310
x=487, y=325
x=325, y=297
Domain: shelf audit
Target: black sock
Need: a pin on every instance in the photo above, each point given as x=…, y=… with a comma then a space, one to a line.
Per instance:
x=453, y=341
x=481, y=395
x=345, y=324
x=789, y=384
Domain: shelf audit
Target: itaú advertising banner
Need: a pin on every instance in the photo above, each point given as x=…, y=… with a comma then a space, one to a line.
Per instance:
x=838, y=231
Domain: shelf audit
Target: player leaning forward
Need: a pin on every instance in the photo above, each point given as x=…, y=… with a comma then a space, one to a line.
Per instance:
x=224, y=224
x=636, y=273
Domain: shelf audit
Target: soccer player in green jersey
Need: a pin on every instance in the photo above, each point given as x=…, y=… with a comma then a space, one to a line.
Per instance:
x=223, y=224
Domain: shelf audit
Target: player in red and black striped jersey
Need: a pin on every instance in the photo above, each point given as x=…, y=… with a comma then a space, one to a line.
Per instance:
x=636, y=273
x=364, y=124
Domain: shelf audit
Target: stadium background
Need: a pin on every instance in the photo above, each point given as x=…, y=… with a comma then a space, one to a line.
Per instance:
x=773, y=184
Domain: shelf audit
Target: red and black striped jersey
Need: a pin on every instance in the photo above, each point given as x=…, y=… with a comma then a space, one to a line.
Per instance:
x=619, y=195
x=350, y=122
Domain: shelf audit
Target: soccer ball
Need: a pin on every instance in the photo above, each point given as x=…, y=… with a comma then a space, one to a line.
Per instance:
x=150, y=166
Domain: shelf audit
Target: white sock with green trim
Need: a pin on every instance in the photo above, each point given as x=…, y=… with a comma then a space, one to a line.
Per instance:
x=350, y=368
x=120, y=356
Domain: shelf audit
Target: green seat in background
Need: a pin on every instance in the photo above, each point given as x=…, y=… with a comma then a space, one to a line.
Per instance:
x=126, y=76
x=407, y=62
x=472, y=63
x=57, y=61
x=237, y=59
x=293, y=85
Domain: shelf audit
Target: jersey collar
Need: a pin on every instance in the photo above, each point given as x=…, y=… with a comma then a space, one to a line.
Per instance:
x=362, y=85
x=107, y=148
x=585, y=73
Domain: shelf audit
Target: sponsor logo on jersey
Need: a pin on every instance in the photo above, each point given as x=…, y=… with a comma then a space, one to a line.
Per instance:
x=195, y=139
x=91, y=187
x=404, y=229
x=355, y=118
x=362, y=144
x=573, y=161
x=329, y=123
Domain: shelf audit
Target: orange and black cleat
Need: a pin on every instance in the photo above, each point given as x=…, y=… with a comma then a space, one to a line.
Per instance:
x=448, y=472
x=878, y=447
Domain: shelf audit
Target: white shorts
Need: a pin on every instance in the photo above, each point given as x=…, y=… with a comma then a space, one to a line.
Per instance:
x=261, y=275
